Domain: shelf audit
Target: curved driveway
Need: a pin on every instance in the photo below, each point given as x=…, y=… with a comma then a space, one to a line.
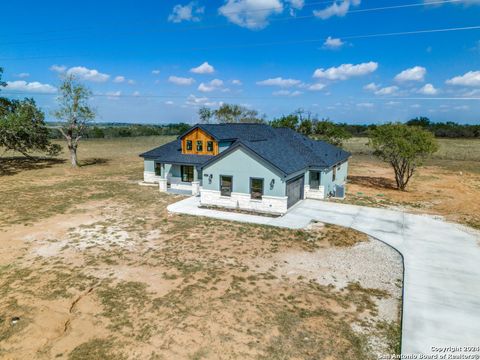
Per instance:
x=442, y=265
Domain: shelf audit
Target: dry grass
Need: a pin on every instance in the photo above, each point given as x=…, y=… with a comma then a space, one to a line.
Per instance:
x=94, y=267
x=448, y=184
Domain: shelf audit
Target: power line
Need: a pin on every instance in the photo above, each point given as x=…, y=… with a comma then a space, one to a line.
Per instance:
x=274, y=43
x=240, y=97
x=209, y=27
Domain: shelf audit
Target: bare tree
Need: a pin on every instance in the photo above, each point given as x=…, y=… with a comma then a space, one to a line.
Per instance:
x=74, y=112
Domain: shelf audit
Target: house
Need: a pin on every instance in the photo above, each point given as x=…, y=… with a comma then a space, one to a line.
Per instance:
x=248, y=166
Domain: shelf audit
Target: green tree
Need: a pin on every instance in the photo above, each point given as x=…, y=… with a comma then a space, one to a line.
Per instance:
x=74, y=112
x=22, y=126
x=421, y=121
x=330, y=132
x=205, y=115
x=231, y=114
x=403, y=147
x=289, y=121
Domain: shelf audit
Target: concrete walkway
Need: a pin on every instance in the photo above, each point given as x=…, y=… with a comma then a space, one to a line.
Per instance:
x=442, y=265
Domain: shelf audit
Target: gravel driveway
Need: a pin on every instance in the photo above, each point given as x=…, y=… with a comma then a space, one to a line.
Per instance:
x=441, y=260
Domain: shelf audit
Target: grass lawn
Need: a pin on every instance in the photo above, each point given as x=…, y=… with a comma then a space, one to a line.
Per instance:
x=93, y=267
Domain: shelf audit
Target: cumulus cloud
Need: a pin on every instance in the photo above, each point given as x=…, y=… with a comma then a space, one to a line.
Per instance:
x=316, y=87
x=333, y=43
x=35, y=86
x=345, y=71
x=236, y=82
x=471, y=78
x=181, y=80
x=119, y=79
x=287, y=93
x=336, y=9
x=187, y=12
x=58, y=68
x=279, y=81
x=88, y=74
x=169, y=102
x=416, y=73
x=155, y=72
x=215, y=84
x=23, y=75
x=371, y=87
x=428, y=89
x=388, y=90
x=295, y=5
x=193, y=100
x=204, y=68
x=252, y=14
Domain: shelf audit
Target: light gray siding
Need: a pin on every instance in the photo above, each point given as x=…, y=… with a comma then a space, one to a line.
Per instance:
x=326, y=177
x=241, y=166
x=149, y=165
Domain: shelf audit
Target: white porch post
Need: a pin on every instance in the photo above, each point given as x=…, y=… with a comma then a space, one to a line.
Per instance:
x=162, y=182
x=195, y=183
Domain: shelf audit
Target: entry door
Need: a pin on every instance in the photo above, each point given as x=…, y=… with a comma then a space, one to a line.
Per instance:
x=295, y=190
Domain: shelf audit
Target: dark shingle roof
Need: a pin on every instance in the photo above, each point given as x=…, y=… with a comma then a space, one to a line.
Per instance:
x=284, y=148
x=172, y=153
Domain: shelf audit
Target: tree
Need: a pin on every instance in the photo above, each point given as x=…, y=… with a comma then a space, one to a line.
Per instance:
x=230, y=114
x=289, y=121
x=330, y=132
x=74, y=112
x=421, y=121
x=205, y=115
x=402, y=146
x=22, y=126
x=24, y=130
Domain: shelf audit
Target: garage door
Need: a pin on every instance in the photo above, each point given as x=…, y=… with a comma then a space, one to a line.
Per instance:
x=295, y=190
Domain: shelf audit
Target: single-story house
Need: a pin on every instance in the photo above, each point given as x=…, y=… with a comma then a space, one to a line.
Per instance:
x=248, y=166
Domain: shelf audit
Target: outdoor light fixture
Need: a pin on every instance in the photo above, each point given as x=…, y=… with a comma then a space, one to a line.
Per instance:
x=272, y=183
x=210, y=179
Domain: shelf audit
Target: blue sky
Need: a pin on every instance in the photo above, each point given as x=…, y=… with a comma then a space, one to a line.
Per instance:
x=159, y=61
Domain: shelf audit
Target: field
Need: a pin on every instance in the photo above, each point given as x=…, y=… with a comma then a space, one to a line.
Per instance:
x=448, y=185
x=93, y=267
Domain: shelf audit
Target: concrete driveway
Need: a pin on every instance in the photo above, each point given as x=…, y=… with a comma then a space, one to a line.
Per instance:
x=442, y=265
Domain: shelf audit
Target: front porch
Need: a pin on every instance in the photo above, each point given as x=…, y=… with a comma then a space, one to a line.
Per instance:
x=175, y=177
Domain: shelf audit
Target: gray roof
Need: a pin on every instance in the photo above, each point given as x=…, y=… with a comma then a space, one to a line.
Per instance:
x=284, y=148
x=172, y=153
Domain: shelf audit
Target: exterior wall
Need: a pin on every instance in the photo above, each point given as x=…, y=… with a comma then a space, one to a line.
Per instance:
x=341, y=177
x=224, y=145
x=241, y=166
x=149, y=172
x=199, y=134
x=268, y=204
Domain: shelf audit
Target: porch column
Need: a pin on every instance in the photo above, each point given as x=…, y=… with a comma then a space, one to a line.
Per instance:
x=306, y=184
x=195, y=183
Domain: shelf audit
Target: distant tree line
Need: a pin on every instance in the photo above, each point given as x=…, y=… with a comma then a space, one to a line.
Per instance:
x=113, y=130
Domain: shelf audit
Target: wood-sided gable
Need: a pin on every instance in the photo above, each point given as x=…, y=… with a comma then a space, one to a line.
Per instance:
x=195, y=135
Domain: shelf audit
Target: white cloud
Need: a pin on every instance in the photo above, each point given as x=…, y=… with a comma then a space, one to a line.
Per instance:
x=35, y=86
x=193, y=100
x=371, y=87
x=187, y=12
x=336, y=9
x=316, y=87
x=131, y=82
x=119, y=79
x=416, y=73
x=88, y=74
x=333, y=43
x=181, y=80
x=215, y=84
x=136, y=93
x=204, y=68
x=236, y=82
x=58, y=68
x=388, y=90
x=471, y=78
x=462, y=107
x=251, y=14
x=295, y=5
x=169, y=102
x=279, y=81
x=345, y=71
x=113, y=95
x=428, y=89
x=287, y=93
x=155, y=72
x=23, y=75
x=365, y=105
